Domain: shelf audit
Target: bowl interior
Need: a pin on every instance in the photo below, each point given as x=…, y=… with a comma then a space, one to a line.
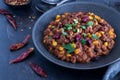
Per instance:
x=110, y=15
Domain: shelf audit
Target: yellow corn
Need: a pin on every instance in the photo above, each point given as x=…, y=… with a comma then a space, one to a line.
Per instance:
x=96, y=23
x=91, y=14
x=68, y=55
x=62, y=52
x=57, y=20
x=111, y=33
x=111, y=29
x=54, y=43
x=106, y=44
x=90, y=17
x=89, y=35
x=98, y=34
x=97, y=17
x=95, y=42
x=58, y=17
x=101, y=20
x=102, y=32
x=44, y=41
x=74, y=45
x=61, y=48
x=77, y=51
x=49, y=26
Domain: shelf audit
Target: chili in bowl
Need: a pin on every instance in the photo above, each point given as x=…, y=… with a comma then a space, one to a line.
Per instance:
x=79, y=37
x=63, y=29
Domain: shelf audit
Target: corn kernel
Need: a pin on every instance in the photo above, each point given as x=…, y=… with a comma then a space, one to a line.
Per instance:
x=106, y=44
x=111, y=33
x=97, y=17
x=112, y=30
x=91, y=14
x=57, y=20
x=44, y=41
x=90, y=17
x=68, y=55
x=89, y=35
x=96, y=23
x=101, y=20
x=54, y=43
x=98, y=34
x=49, y=26
x=77, y=51
x=95, y=42
x=74, y=45
x=58, y=17
x=61, y=48
x=102, y=32
x=62, y=52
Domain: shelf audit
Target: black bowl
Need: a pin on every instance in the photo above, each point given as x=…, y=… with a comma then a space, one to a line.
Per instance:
x=19, y=6
x=109, y=14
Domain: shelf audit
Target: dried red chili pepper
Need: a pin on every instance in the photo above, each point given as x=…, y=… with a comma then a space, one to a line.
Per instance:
x=9, y=17
x=38, y=69
x=12, y=21
x=4, y=12
x=20, y=45
x=23, y=56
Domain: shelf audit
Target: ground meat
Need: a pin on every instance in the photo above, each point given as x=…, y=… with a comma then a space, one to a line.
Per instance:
x=79, y=37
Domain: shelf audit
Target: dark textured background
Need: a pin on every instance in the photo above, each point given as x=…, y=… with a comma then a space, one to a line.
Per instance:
x=22, y=71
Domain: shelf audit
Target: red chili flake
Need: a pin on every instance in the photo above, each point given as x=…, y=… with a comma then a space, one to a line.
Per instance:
x=20, y=45
x=23, y=56
x=9, y=17
x=37, y=69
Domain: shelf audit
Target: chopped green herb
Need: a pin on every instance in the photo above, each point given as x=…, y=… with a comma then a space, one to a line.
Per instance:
x=50, y=37
x=94, y=36
x=90, y=23
x=75, y=21
x=78, y=30
x=84, y=35
x=64, y=33
x=74, y=30
x=83, y=27
x=69, y=28
x=95, y=19
x=64, y=28
x=83, y=41
x=69, y=47
x=74, y=25
x=68, y=25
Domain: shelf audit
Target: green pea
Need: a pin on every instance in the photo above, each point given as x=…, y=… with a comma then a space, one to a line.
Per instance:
x=90, y=23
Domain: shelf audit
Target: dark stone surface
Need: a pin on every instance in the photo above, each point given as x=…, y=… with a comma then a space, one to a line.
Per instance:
x=22, y=71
